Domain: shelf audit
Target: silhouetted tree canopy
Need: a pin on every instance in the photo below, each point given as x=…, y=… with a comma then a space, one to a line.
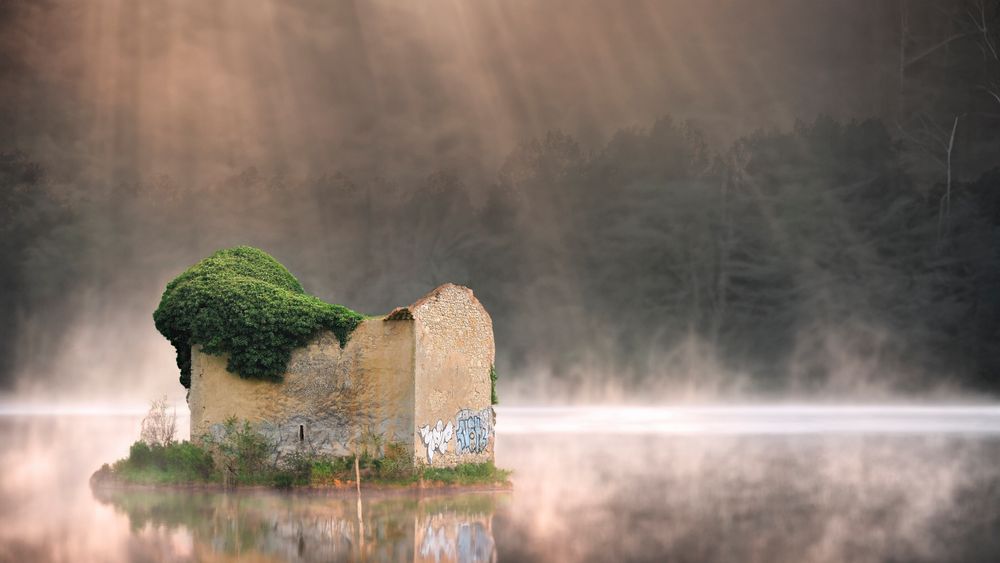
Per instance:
x=801, y=255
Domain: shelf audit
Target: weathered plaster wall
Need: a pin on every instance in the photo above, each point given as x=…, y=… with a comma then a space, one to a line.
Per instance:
x=454, y=352
x=332, y=393
x=420, y=379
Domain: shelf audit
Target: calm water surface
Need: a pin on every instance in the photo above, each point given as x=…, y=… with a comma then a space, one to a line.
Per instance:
x=602, y=484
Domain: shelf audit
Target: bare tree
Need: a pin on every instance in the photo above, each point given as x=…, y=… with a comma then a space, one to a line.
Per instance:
x=159, y=426
x=944, y=208
x=984, y=15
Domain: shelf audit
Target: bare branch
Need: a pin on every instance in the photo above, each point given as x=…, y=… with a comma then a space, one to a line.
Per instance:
x=945, y=206
x=940, y=44
x=981, y=27
x=159, y=426
x=993, y=91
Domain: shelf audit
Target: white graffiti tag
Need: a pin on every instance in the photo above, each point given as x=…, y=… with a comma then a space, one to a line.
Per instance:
x=436, y=438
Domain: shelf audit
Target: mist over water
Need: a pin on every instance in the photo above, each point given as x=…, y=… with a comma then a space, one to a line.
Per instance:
x=761, y=484
x=754, y=420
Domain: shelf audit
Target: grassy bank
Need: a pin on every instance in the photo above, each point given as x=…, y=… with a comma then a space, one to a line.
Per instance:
x=184, y=463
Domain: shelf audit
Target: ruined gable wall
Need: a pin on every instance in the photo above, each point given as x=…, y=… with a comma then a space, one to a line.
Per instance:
x=332, y=393
x=454, y=353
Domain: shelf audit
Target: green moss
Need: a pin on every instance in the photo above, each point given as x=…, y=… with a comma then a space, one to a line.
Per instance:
x=242, y=302
x=493, y=385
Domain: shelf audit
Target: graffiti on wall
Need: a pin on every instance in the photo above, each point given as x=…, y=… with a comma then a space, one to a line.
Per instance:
x=473, y=430
x=436, y=438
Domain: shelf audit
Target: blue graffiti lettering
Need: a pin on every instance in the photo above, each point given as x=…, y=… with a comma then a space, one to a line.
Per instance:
x=473, y=430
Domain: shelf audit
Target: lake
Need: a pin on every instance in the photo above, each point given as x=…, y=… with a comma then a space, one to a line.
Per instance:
x=789, y=483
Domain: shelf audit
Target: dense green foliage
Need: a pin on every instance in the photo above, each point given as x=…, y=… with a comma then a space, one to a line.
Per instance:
x=174, y=463
x=247, y=453
x=393, y=466
x=466, y=474
x=242, y=302
x=245, y=456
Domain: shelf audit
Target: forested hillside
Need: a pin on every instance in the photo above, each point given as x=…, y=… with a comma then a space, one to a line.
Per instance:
x=837, y=251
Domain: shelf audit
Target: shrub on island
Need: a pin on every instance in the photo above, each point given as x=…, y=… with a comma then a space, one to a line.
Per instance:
x=172, y=464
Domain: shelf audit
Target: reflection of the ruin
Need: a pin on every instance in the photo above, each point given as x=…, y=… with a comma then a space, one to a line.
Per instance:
x=269, y=525
x=447, y=535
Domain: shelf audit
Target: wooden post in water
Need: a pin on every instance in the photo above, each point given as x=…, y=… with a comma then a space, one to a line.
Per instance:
x=361, y=520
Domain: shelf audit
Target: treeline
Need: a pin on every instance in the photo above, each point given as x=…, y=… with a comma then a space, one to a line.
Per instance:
x=801, y=258
x=836, y=253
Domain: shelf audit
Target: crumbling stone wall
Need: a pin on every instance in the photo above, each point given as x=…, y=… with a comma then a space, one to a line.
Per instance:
x=328, y=396
x=419, y=377
x=454, y=415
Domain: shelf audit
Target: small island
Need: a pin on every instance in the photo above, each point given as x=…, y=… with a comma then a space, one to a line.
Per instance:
x=286, y=390
x=247, y=459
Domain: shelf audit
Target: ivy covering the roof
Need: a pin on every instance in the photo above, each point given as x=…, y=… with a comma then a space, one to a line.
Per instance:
x=242, y=302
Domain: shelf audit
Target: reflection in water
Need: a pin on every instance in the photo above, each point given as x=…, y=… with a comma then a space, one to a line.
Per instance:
x=449, y=537
x=846, y=493
x=301, y=527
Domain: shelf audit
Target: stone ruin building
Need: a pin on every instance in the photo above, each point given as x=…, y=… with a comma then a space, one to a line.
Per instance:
x=418, y=376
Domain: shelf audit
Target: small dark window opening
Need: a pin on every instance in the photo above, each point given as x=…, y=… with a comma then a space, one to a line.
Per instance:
x=302, y=433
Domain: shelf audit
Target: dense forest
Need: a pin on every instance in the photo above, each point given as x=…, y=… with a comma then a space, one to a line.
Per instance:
x=842, y=253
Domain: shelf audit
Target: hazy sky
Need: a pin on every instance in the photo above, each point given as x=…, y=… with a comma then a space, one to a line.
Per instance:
x=192, y=89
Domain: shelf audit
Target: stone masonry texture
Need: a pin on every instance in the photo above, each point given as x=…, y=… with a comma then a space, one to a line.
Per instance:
x=418, y=376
